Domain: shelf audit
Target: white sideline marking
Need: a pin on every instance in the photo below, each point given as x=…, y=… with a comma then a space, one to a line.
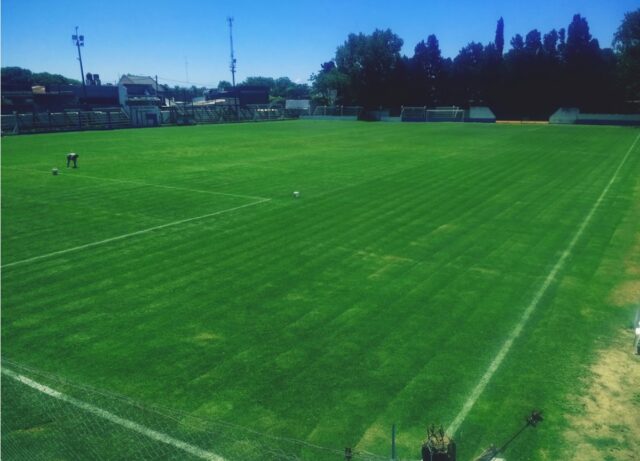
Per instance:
x=131, y=234
x=141, y=183
x=504, y=350
x=155, y=435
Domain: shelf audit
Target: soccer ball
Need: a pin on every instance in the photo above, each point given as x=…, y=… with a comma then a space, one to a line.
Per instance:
x=296, y=194
x=54, y=172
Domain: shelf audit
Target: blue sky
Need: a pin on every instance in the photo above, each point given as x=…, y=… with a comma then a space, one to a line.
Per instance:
x=188, y=40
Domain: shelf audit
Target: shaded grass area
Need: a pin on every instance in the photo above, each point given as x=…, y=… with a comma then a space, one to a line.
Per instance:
x=379, y=297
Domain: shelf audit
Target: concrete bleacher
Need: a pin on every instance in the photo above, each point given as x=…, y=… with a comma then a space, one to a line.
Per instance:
x=609, y=119
x=480, y=114
x=565, y=115
x=222, y=113
x=572, y=115
x=42, y=122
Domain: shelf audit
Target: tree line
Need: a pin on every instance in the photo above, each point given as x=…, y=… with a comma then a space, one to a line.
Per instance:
x=536, y=75
x=280, y=88
x=17, y=78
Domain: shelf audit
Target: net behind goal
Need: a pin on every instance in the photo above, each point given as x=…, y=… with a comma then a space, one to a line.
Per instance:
x=338, y=111
x=438, y=114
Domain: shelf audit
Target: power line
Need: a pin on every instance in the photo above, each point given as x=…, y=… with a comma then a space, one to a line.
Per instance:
x=185, y=81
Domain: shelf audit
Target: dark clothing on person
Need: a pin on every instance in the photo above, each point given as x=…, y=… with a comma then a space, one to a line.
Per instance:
x=72, y=158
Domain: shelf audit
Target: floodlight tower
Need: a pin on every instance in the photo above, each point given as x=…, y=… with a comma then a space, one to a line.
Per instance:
x=78, y=42
x=233, y=59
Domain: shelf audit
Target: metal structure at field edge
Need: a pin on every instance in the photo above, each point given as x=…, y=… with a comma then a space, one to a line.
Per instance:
x=491, y=453
x=438, y=446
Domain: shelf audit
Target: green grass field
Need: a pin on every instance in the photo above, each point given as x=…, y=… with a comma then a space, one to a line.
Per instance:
x=380, y=296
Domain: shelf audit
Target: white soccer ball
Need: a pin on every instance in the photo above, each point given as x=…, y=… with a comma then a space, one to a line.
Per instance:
x=296, y=194
x=54, y=172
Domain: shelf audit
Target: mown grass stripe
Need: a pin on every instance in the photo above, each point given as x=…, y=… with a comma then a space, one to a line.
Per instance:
x=282, y=298
x=115, y=419
x=519, y=327
x=131, y=234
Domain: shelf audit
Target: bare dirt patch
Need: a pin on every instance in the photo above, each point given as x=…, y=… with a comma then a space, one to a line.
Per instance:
x=607, y=429
x=632, y=262
x=35, y=429
x=206, y=336
x=626, y=293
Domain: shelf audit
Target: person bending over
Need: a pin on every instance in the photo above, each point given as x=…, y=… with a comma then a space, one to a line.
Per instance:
x=72, y=157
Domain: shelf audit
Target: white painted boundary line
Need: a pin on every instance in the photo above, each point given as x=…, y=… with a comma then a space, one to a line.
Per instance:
x=155, y=435
x=131, y=234
x=506, y=347
x=141, y=183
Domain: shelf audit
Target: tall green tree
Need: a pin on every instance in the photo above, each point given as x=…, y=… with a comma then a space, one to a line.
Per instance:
x=329, y=84
x=260, y=81
x=17, y=77
x=427, y=66
x=550, y=43
x=517, y=43
x=585, y=68
x=580, y=44
x=533, y=42
x=371, y=63
x=499, y=40
x=469, y=75
x=280, y=88
x=626, y=43
x=562, y=41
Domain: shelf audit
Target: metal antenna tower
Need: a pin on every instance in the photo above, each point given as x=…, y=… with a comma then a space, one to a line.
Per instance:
x=233, y=59
x=78, y=42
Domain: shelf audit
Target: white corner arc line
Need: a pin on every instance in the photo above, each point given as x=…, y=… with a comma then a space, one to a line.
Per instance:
x=517, y=330
x=128, y=424
x=131, y=234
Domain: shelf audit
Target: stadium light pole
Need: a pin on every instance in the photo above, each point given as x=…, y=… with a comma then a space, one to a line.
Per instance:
x=233, y=64
x=79, y=41
x=233, y=59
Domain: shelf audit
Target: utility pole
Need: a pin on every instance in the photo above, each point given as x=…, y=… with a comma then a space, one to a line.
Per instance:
x=79, y=41
x=233, y=67
x=233, y=59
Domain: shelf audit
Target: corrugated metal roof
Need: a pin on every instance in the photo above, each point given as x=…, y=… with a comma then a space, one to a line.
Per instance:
x=137, y=80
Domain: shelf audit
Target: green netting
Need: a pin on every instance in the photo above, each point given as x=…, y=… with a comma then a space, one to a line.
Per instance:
x=45, y=417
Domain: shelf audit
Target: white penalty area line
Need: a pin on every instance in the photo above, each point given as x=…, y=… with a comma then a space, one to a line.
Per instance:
x=515, y=333
x=142, y=183
x=128, y=424
x=132, y=234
